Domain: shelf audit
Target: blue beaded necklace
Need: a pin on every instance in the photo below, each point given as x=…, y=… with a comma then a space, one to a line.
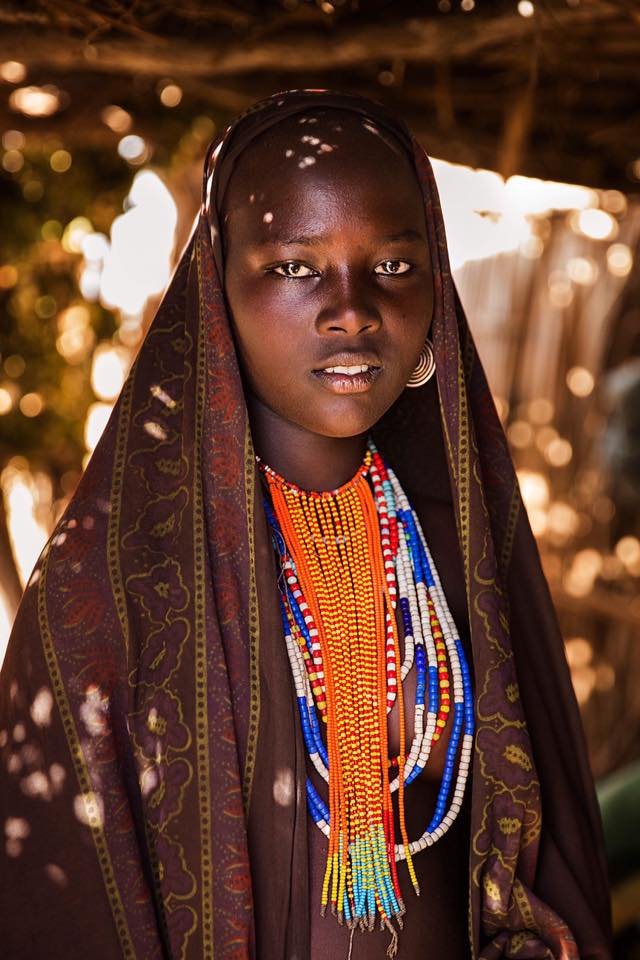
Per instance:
x=431, y=646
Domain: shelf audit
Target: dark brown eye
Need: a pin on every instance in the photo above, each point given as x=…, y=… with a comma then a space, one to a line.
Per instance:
x=393, y=268
x=293, y=269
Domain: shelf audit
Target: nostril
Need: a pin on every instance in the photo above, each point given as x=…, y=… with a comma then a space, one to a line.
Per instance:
x=351, y=329
x=353, y=322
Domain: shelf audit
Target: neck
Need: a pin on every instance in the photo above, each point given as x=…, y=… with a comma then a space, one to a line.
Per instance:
x=310, y=460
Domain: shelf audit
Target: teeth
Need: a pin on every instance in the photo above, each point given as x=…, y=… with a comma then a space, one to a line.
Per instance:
x=361, y=368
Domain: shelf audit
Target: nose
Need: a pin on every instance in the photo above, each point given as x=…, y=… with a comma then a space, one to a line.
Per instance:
x=348, y=307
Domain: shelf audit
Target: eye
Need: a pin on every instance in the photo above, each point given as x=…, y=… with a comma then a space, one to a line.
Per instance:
x=393, y=268
x=292, y=269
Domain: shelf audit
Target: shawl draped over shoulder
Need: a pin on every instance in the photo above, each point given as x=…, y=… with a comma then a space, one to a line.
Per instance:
x=146, y=708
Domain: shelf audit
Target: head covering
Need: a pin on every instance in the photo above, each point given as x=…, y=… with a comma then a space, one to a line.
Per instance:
x=146, y=705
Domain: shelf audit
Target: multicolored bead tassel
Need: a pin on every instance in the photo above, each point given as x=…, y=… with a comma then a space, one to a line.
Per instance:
x=348, y=558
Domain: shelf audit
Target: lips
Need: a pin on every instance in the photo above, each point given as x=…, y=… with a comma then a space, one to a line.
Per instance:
x=349, y=382
x=349, y=372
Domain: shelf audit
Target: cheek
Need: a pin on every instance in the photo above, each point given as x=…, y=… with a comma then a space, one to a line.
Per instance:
x=410, y=326
x=270, y=335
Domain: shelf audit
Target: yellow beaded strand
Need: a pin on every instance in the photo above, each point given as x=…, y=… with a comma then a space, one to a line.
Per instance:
x=334, y=541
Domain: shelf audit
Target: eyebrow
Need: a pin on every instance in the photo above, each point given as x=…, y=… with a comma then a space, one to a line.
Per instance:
x=311, y=241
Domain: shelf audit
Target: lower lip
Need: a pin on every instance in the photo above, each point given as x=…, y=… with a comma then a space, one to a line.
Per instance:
x=348, y=383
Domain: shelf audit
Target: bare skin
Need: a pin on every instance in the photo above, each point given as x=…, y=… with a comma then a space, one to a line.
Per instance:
x=324, y=257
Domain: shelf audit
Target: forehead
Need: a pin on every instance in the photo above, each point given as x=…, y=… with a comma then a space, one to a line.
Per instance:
x=327, y=167
x=324, y=140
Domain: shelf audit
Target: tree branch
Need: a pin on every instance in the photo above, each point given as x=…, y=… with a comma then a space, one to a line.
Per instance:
x=417, y=41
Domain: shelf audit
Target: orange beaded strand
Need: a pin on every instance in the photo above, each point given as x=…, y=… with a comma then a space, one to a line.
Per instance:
x=334, y=541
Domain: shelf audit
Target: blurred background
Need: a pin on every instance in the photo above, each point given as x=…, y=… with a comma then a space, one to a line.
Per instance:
x=530, y=111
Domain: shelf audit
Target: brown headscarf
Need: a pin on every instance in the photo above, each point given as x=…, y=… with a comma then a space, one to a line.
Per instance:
x=146, y=709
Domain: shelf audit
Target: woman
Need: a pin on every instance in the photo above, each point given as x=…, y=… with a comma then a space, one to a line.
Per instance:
x=155, y=762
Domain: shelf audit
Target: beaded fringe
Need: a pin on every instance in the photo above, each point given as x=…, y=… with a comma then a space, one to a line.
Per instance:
x=348, y=558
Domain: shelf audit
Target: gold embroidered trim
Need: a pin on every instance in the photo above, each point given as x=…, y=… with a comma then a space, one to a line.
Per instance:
x=113, y=529
x=254, y=627
x=200, y=640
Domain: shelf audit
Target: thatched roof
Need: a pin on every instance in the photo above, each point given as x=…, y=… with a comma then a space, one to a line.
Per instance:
x=555, y=94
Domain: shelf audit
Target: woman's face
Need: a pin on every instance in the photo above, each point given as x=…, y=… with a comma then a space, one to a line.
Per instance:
x=326, y=265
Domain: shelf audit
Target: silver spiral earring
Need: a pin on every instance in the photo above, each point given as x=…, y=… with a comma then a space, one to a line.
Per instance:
x=425, y=367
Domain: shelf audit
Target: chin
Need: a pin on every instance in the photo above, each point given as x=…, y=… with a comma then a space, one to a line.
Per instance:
x=343, y=426
x=352, y=419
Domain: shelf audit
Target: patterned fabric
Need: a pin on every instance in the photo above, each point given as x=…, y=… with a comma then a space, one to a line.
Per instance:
x=152, y=769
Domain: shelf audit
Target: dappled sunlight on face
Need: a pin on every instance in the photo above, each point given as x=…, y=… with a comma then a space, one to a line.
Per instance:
x=307, y=150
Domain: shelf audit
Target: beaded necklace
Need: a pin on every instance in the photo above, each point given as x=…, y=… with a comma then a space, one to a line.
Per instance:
x=347, y=558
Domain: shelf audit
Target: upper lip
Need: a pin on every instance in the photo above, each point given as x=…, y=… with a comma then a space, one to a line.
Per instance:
x=350, y=360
